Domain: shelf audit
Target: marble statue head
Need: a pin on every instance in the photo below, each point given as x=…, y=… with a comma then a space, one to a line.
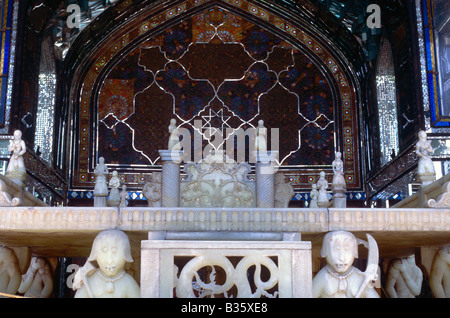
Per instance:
x=422, y=134
x=17, y=134
x=111, y=249
x=340, y=248
x=101, y=160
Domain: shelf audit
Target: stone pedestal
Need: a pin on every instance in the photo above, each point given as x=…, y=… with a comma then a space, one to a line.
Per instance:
x=18, y=177
x=170, y=178
x=339, y=198
x=100, y=201
x=427, y=179
x=265, y=178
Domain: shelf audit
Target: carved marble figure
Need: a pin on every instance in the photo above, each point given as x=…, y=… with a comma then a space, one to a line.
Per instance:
x=101, y=186
x=111, y=251
x=283, y=192
x=37, y=282
x=10, y=275
x=440, y=273
x=314, y=195
x=425, y=168
x=338, y=173
x=152, y=190
x=339, y=278
x=261, y=137
x=101, y=171
x=16, y=170
x=114, y=195
x=124, y=197
x=174, y=139
x=322, y=184
x=404, y=278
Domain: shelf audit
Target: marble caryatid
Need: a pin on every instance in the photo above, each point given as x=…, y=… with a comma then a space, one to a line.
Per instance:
x=261, y=137
x=339, y=278
x=111, y=251
x=16, y=170
x=404, y=278
x=440, y=273
x=101, y=186
x=37, y=282
x=425, y=169
x=10, y=274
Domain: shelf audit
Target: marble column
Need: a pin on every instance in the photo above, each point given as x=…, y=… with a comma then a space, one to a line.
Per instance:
x=265, y=178
x=170, y=178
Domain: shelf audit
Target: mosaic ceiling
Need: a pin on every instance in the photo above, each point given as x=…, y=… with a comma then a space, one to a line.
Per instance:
x=216, y=71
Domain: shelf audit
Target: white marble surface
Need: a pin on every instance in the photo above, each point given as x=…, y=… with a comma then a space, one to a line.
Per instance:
x=292, y=273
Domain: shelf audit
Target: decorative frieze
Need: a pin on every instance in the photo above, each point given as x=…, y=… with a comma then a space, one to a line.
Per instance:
x=219, y=219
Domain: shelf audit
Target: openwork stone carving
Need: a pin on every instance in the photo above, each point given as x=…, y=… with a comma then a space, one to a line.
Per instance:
x=230, y=268
x=234, y=276
x=217, y=181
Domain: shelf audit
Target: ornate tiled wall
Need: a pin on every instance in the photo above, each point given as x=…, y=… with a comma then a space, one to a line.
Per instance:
x=224, y=65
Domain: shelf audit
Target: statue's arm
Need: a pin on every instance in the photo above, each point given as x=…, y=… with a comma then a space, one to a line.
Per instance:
x=414, y=285
x=48, y=286
x=27, y=279
x=15, y=278
x=391, y=279
x=23, y=148
x=436, y=275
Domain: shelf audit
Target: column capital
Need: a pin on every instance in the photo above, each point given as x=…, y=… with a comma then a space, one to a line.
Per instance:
x=171, y=156
x=266, y=156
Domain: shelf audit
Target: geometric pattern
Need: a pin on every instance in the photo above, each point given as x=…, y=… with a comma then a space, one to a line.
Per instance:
x=225, y=71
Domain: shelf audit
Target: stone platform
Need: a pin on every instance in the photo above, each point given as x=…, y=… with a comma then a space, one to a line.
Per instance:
x=69, y=231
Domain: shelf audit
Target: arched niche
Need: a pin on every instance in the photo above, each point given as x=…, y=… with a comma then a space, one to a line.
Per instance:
x=224, y=63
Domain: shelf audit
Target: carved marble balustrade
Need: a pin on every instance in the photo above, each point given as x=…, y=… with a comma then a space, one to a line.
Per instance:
x=225, y=266
x=220, y=219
